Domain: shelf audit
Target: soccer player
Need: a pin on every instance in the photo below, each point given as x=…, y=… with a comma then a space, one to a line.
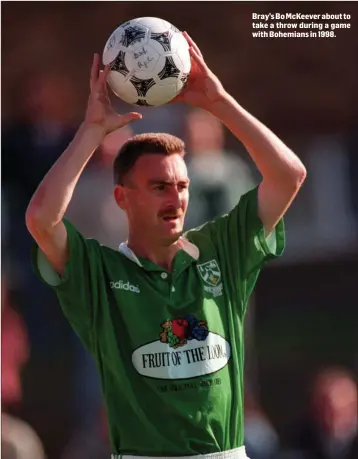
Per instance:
x=163, y=315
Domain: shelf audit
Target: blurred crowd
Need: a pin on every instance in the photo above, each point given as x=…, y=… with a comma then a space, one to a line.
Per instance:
x=38, y=347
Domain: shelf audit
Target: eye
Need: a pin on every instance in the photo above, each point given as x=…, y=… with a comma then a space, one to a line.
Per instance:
x=160, y=188
x=182, y=186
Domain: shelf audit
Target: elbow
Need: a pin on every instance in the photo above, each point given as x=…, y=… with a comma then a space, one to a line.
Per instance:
x=293, y=178
x=297, y=173
x=40, y=220
x=296, y=180
x=32, y=218
x=301, y=174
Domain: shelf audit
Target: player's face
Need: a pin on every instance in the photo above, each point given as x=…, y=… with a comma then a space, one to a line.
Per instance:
x=157, y=203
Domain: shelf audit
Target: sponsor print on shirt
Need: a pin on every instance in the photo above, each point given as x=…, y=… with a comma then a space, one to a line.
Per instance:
x=186, y=348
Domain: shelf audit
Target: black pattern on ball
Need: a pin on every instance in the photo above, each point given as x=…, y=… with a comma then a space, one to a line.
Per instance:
x=118, y=65
x=132, y=35
x=111, y=42
x=162, y=38
x=184, y=79
x=169, y=70
x=142, y=86
x=142, y=102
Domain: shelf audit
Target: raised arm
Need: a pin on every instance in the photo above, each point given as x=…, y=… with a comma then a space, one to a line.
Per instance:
x=52, y=197
x=282, y=171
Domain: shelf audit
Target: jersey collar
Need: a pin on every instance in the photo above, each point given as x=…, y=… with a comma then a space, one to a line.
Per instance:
x=127, y=252
x=188, y=247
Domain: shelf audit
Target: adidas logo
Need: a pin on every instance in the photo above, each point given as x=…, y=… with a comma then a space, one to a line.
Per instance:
x=120, y=285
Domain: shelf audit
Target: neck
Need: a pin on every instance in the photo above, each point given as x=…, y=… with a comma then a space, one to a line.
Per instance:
x=158, y=254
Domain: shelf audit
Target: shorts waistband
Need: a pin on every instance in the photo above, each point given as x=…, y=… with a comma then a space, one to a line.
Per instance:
x=237, y=453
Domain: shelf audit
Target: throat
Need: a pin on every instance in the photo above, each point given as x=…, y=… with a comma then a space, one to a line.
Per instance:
x=162, y=256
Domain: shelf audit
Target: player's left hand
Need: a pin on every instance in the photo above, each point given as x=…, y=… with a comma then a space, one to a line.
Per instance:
x=203, y=87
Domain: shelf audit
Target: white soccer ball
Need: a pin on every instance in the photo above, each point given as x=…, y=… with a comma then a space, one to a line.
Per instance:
x=149, y=60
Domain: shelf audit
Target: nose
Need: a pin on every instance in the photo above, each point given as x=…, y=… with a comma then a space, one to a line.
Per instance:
x=175, y=200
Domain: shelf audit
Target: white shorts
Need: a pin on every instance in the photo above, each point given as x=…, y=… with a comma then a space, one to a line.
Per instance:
x=237, y=453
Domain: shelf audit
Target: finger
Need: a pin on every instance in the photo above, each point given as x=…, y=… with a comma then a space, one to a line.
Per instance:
x=130, y=117
x=94, y=71
x=199, y=61
x=192, y=43
x=102, y=80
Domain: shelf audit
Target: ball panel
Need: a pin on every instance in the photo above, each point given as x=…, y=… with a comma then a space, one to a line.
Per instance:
x=122, y=87
x=170, y=26
x=128, y=61
x=160, y=94
x=157, y=45
x=112, y=47
x=178, y=62
x=179, y=43
x=159, y=65
x=169, y=82
x=155, y=25
x=180, y=47
x=167, y=24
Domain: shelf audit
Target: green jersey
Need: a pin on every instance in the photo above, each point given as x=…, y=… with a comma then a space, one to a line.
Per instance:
x=169, y=346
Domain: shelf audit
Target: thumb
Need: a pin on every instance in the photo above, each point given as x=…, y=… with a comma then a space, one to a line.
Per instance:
x=130, y=117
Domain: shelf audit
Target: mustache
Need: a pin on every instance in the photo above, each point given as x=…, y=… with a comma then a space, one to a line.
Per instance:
x=171, y=212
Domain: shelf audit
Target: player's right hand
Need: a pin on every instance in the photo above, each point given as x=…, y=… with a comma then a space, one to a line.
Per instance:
x=99, y=109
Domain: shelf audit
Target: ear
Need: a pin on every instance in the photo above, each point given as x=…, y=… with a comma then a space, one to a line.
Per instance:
x=120, y=196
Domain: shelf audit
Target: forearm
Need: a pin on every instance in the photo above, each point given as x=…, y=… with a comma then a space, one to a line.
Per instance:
x=52, y=197
x=272, y=157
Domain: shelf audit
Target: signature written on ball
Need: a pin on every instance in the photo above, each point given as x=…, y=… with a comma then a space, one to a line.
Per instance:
x=142, y=58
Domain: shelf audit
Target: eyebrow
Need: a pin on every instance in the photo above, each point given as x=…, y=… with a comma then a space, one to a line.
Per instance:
x=165, y=182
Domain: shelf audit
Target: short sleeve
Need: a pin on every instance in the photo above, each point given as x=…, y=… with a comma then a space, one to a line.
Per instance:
x=76, y=290
x=243, y=249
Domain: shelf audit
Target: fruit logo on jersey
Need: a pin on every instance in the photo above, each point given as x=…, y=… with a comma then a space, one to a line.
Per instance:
x=177, y=332
x=211, y=275
x=185, y=348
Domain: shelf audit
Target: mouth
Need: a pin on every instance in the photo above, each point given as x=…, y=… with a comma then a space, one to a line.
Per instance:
x=170, y=218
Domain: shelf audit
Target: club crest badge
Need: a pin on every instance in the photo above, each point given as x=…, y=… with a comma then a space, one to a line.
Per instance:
x=211, y=275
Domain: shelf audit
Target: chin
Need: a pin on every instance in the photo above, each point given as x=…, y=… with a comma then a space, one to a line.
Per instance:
x=172, y=236
x=170, y=231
